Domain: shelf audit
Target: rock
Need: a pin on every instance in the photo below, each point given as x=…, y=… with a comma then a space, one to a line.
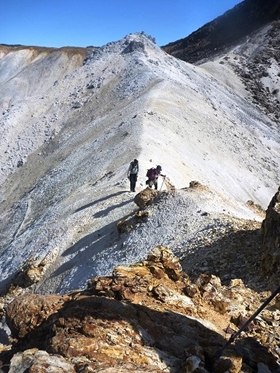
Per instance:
x=262, y=368
x=76, y=105
x=270, y=234
x=134, y=46
x=31, y=272
x=148, y=317
x=27, y=312
x=36, y=361
x=145, y=197
x=191, y=364
x=142, y=324
x=254, y=353
x=231, y=364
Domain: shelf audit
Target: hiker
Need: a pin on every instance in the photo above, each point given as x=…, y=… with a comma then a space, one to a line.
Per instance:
x=152, y=175
x=132, y=174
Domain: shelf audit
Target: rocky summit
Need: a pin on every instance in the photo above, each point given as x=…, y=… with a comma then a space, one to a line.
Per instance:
x=96, y=278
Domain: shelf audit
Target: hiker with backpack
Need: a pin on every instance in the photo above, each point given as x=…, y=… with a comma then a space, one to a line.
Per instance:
x=152, y=175
x=132, y=174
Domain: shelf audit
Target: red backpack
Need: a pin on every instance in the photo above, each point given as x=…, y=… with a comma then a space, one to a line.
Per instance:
x=151, y=173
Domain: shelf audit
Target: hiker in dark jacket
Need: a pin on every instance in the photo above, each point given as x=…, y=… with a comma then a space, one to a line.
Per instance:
x=132, y=174
x=152, y=175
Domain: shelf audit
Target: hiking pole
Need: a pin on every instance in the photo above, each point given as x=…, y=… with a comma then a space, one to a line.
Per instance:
x=162, y=182
x=219, y=352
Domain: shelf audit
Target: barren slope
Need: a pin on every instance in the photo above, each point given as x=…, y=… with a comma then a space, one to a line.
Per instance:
x=75, y=141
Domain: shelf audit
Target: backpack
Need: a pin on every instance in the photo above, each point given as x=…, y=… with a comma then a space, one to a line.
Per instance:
x=151, y=173
x=134, y=168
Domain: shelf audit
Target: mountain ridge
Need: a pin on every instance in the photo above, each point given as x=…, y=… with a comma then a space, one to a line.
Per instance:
x=68, y=220
x=103, y=117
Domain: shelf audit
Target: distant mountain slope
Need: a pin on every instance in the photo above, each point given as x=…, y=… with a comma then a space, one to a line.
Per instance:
x=225, y=31
x=27, y=71
x=245, y=40
x=256, y=62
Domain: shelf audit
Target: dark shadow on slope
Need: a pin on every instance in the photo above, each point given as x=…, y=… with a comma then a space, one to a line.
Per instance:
x=173, y=336
x=236, y=255
x=97, y=240
x=102, y=213
x=99, y=200
x=87, y=248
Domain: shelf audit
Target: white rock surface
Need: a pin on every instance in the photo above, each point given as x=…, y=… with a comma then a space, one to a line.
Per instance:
x=75, y=128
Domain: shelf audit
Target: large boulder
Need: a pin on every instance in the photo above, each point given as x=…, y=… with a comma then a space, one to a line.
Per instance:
x=145, y=197
x=270, y=234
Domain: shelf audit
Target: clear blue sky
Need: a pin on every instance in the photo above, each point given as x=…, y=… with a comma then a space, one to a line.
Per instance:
x=58, y=23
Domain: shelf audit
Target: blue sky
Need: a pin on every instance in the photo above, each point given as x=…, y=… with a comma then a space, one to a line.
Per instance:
x=58, y=23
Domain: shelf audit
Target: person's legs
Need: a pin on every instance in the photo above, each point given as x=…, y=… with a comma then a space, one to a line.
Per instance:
x=131, y=182
x=134, y=179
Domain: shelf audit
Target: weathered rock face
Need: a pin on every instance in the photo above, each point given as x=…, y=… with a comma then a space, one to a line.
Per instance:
x=270, y=233
x=148, y=317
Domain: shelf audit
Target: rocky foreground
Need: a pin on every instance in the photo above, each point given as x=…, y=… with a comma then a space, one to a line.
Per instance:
x=151, y=317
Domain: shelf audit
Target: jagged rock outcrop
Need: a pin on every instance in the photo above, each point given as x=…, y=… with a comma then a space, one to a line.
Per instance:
x=270, y=232
x=148, y=317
